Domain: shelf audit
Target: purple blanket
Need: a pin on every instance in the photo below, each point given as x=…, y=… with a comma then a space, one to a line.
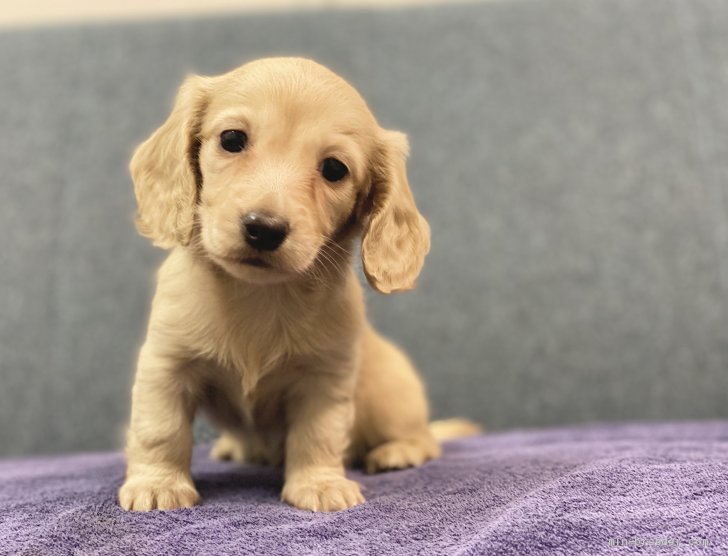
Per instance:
x=648, y=488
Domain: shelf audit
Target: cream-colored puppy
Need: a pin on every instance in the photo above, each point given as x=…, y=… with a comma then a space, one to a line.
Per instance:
x=259, y=182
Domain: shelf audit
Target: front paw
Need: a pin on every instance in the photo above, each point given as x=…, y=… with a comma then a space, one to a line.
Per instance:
x=142, y=494
x=322, y=494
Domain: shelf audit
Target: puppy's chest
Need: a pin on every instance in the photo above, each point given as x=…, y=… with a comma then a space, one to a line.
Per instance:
x=263, y=339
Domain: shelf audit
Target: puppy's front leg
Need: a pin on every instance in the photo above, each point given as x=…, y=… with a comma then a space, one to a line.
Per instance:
x=159, y=441
x=320, y=416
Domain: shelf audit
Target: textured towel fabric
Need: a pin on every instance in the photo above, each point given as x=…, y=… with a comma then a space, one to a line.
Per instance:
x=656, y=488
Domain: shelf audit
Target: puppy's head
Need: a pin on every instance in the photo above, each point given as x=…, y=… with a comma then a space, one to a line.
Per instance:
x=268, y=167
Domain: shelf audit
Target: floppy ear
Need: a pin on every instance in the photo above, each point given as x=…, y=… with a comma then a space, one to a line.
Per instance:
x=165, y=171
x=396, y=238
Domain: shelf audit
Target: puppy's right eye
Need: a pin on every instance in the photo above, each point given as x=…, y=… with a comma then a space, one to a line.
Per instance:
x=333, y=170
x=233, y=140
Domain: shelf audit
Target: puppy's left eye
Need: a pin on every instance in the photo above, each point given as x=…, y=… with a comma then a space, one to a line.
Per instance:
x=233, y=140
x=333, y=169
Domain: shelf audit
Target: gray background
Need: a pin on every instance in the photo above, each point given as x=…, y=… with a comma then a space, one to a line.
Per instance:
x=571, y=156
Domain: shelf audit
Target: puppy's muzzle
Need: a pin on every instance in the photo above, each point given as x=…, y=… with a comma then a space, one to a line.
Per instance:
x=264, y=232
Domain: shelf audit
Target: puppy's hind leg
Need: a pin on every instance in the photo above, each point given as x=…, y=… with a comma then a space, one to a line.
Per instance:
x=392, y=419
x=413, y=452
x=229, y=447
x=241, y=448
x=400, y=454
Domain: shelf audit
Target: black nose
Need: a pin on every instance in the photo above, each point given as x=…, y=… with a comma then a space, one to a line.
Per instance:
x=263, y=231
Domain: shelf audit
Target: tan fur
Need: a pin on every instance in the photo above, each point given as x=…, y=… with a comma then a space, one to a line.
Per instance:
x=282, y=358
x=447, y=429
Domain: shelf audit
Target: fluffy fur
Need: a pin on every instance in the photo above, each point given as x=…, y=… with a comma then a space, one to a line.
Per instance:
x=279, y=353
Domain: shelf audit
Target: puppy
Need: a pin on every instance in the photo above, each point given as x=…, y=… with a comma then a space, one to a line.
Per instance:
x=260, y=182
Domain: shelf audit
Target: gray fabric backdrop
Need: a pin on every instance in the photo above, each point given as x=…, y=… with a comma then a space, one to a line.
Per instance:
x=571, y=156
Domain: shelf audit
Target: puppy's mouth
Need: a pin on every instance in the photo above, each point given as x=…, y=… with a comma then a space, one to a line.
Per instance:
x=248, y=261
x=254, y=261
x=252, y=267
x=258, y=267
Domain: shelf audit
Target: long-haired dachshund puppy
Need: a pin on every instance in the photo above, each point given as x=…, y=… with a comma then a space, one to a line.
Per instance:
x=260, y=182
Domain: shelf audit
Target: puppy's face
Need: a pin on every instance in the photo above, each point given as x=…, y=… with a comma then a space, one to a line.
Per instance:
x=268, y=167
x=284, y=158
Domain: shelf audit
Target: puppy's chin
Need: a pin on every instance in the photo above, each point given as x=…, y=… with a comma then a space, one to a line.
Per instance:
x=266, y=268
x=253, y=272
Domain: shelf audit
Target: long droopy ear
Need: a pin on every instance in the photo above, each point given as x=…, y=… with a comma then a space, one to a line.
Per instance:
x=396, y=237
x=165, y=171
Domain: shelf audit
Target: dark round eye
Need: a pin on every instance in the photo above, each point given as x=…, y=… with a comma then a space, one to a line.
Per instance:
x=233, y=140
x=333, y=169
